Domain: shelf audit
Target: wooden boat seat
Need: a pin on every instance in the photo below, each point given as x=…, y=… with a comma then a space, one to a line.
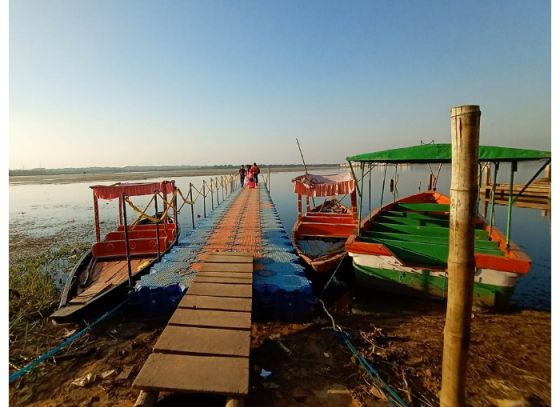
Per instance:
x=417, y=230
x=138, y=234
x=147, y=226
x=422, y=207
x=317, y=229
x=346, y=220
x=141, y=246
x=426, y=239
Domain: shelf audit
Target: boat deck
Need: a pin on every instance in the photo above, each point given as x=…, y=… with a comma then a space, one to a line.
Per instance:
x=419, y=233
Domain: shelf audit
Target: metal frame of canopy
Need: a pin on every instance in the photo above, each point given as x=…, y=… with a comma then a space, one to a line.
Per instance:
x=441, y=153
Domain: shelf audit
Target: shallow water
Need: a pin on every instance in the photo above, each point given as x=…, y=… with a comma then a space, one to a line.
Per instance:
x=51, y=209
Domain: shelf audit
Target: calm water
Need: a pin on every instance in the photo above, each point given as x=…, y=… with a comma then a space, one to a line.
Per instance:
x=66, y=209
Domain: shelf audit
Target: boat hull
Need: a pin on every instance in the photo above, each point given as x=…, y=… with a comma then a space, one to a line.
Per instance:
x=68, y=312
x=491, y=288
x=331, y=231
x=403, y=248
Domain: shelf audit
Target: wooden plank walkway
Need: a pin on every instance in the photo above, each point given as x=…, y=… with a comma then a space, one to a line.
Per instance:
x=210, y=332
x=205, y=346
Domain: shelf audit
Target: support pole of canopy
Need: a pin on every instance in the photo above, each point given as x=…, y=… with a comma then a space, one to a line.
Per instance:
x=96, y=216
x=357, y=189
x=175, y=215
x=157, y=226
x=126, y=243
x=369, y=190
x=493, y=195
x=510, y=201
x=383, y=185
x=120, y=211
x=304, y=165
x=465, y=128
x=362, y=165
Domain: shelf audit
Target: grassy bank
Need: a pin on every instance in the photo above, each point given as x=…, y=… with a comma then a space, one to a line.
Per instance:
x=33, y=295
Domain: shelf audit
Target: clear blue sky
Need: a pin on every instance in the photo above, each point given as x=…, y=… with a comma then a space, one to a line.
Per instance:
x=95, y=83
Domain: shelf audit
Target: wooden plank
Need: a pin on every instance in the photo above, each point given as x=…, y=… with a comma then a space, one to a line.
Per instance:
x=216, y=303
x=224, y=253
x=92, y=291
x=221, y=290
x=220, y=258
x=204, y=341
x=211, y=318
x=239, y=276
x=222, y=280
x=199, y=374
x=229, y=267
x=65, y=311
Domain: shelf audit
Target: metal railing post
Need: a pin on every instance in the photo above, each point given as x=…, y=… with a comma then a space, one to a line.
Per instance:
x=204, y=196
x=192, y=204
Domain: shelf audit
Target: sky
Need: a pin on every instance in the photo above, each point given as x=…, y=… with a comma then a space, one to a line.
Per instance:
x=116, y=83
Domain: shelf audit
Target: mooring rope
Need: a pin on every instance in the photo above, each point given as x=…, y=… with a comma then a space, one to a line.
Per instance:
x=392, y=397
x=53, y=351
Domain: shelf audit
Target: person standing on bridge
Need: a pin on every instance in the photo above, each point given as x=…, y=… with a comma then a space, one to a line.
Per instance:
x=242, y=172
x=250, y=178
x=256, y=171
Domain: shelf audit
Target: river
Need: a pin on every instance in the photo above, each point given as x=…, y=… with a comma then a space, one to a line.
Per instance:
x=62, y=211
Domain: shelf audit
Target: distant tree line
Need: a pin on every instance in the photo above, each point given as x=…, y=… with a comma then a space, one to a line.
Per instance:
x=145, y=168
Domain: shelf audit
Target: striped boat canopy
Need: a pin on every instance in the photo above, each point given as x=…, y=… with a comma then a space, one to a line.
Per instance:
x=324, y=185
x=441, y=153
x=132, y=189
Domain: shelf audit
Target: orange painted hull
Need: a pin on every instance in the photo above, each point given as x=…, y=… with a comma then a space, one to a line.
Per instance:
x=329, y=227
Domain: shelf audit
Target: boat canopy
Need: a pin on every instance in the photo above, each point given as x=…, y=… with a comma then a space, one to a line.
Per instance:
x=132, y=189
x=441, y=153
x=324, y=185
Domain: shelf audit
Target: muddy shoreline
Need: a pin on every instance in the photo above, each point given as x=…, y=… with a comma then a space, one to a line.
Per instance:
x=509, y=355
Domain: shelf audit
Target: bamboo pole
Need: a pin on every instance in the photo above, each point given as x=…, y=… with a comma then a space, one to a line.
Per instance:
x=465, y=129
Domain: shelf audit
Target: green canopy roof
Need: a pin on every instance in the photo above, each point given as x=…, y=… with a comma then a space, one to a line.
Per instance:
x=441, y=153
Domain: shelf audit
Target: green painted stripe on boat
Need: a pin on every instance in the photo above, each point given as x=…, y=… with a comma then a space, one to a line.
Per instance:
x=425, y=284
x=415, y=215
x=432, y=254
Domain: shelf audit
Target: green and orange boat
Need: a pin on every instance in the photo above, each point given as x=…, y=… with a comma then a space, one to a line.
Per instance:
x=402, y=247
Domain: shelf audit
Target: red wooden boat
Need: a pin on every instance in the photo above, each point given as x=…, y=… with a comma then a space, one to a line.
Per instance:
x=109, y=269
x=319, y=235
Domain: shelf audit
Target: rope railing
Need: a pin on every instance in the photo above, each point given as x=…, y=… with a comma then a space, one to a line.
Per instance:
x=224, y=184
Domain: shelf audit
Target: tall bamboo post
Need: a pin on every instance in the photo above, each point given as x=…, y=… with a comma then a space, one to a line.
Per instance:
x=465, y=129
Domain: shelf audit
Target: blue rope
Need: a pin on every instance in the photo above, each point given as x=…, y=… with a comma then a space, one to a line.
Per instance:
x=53, y=351
x=373, y=373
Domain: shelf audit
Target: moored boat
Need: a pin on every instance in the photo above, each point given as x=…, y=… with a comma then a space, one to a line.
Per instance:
x=319, y=234
x=403, y=246
x=109, y=269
